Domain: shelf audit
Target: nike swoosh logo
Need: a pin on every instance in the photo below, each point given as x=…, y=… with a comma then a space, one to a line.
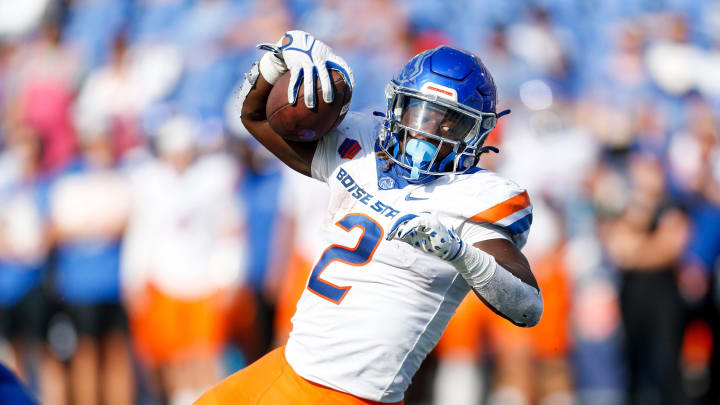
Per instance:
x=411, y=198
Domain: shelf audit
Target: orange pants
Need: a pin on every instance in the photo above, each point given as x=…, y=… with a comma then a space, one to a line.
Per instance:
x=169, y=329
x=293, y=285
x=271, y=381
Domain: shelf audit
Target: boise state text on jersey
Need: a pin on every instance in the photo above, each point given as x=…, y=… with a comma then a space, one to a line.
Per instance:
x=363, y=196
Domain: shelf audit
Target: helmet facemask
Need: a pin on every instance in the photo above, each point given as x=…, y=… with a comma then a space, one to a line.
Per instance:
x=430, y=135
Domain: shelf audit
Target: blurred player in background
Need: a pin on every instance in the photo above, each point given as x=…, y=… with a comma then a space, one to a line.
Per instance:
x=182, y=260
x=88, y=209
x=412, y=227
x=300, y=202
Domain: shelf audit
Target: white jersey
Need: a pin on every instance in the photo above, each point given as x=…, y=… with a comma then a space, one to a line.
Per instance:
x=184, y=235
x=373, y=309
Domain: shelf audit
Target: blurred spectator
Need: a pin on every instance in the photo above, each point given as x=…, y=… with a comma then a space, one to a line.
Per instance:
x=509, y=70
x=89, y=205
x=115, y=96
x=546, y=151
x=182, y=261
x=693, y=154
x=671, y=60
x=694, y=163
x=24, y=245
x=539, y=44
x=625, y=67
x=646, y=242
x=43, y=78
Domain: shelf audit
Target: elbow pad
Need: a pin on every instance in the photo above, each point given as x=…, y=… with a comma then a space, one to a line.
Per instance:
x=506, y=294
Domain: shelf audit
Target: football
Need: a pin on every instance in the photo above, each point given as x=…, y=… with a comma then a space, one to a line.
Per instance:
x=297, y=122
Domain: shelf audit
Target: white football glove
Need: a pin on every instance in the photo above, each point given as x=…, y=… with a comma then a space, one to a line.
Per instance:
x=304, y=56
x=425, y=232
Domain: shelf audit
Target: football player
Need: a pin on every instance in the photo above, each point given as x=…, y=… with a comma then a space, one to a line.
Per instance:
x=412, y=226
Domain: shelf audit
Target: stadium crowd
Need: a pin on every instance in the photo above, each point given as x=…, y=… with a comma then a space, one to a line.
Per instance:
x=149, y=246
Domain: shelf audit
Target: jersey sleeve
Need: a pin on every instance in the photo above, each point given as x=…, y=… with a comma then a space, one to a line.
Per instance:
x=498, y=206
x=352, y=139
x=473, y=232
x=512, y=214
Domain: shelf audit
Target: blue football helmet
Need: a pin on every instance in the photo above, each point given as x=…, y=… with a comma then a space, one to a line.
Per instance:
x=440, y=109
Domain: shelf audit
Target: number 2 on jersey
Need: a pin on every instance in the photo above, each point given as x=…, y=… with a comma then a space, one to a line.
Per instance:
x=359, y=255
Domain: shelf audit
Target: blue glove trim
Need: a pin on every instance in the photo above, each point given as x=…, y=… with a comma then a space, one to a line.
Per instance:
x=314, y=84
x=296, y=85
x=346, y=75
x=307, y=52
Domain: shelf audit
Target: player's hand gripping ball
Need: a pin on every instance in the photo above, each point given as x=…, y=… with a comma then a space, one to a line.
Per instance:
x=299, y=62
x=425, y=232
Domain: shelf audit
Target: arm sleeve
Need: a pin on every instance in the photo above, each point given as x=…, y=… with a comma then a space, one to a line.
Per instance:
x=504, y=293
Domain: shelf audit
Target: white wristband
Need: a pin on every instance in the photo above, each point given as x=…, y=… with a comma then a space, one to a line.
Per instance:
x=519, y=302
x=272, y=67
x=474, y=265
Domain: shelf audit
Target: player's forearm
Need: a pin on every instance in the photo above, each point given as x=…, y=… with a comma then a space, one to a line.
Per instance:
x=504, y=291
x=255, y=91
x=253, y=96
x=495, y=268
